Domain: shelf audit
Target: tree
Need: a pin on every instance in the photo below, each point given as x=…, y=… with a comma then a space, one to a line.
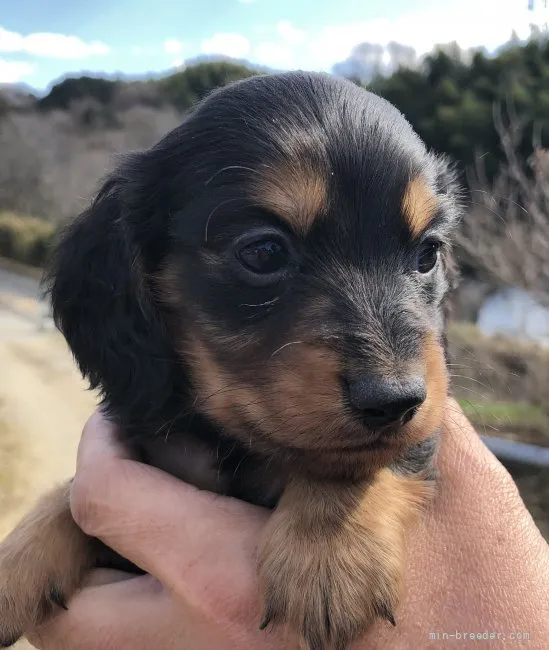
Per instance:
x=505, y=237
x=70, y=90
x=184, y=88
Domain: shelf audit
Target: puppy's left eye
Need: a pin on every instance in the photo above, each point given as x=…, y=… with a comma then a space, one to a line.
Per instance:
x=428, y=256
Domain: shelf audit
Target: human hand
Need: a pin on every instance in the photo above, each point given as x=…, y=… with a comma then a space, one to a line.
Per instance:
x=476, y=563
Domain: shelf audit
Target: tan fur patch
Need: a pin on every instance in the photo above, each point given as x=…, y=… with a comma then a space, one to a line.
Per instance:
x=333, y=555
x=220, y=393
x=300, y=405
x=429, y=415
x=42, y=563
x=297, y=406
x=418, y=206
x=168, y=293
x=296, y=192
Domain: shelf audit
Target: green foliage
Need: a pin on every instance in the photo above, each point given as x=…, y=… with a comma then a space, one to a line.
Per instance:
x=63, y=94
x=185, y=88
x=181, y=89
x=25, y=239
x=507, y=415
x=449, y=100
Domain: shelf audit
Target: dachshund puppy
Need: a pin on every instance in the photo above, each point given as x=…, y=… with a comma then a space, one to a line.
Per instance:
x=260, y=299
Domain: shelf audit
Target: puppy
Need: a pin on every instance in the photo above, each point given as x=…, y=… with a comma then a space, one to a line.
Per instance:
x=260, y=300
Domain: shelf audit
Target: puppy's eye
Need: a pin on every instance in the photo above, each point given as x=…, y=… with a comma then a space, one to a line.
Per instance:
x=265, y=256
x=428, y=256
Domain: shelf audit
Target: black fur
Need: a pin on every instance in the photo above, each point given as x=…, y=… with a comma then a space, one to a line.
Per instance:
x=186, y=199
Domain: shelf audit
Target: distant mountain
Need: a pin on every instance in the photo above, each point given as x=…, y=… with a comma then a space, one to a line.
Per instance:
x=17, y=95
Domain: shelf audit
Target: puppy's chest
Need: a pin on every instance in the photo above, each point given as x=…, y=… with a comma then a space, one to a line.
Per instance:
x=224, y=468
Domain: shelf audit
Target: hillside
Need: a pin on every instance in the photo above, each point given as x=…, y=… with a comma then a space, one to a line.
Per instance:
x=488, y=113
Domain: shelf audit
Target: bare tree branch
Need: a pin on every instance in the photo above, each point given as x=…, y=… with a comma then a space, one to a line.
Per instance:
x=506, y=233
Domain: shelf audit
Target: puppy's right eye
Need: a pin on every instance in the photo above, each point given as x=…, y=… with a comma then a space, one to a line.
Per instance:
x=264, y=256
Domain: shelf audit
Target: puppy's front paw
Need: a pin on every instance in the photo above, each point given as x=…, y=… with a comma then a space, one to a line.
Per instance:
x=328, y=570
x=331, y=591
x=41, y=564
x=24, y=601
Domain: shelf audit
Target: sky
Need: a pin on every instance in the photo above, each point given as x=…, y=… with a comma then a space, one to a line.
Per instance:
x=42, y=41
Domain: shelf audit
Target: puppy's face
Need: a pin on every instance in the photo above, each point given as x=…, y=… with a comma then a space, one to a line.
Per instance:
x=277, y=263
x=307, y=271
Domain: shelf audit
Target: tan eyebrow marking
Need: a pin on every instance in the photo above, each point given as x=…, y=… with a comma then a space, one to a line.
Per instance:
x=419, y=205
x=296, y=192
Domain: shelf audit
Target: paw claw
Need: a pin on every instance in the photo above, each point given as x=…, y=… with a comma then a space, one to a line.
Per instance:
x=57, y=597
x=265, y=622
x=385, y=611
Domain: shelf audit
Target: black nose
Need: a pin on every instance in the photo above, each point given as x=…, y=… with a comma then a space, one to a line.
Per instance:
x=386, y=401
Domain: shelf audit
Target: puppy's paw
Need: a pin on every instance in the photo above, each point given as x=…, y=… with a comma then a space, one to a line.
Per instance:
x=329, y=569
x=24, y=602
x=329, y=592
x=41, y=565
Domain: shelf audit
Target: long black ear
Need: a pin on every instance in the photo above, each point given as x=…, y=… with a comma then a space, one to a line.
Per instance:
x=103, y=305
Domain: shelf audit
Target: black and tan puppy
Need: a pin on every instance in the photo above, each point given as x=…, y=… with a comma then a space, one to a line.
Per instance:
x=259, y=298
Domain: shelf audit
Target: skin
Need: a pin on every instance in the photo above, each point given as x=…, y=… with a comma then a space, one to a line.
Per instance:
x=477, y=562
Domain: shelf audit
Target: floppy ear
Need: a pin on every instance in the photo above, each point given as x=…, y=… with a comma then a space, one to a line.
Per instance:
x=103, y=305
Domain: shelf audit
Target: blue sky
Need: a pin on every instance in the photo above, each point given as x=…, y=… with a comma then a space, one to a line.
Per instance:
x=43, y=40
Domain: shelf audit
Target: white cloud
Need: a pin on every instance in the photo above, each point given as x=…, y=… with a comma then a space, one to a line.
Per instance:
x=280, y=45
x=55, y=46
x=289, y=33
x=472, y=23
x=274, y=55
x=228, y=44
x=173, y=46
x=13, y=71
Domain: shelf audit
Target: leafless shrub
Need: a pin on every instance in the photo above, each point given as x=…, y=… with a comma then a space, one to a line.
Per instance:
x=506, y=234
x=51, y=164
x=21, y=171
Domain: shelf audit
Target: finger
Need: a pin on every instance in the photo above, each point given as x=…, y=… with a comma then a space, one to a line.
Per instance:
x=120, y=614
x=99, y=577
x=99, y=442
x=461, y=445
x=153, y=519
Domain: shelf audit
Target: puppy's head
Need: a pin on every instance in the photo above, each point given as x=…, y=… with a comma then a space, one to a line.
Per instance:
x=278, y=263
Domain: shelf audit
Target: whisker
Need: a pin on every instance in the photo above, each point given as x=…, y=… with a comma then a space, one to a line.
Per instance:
x=261, y=304
x=285, y=346
x=227, y=168
x=476, y=381
x=219, y=205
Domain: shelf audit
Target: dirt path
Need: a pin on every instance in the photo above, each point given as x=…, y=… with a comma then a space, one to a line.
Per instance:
x=43, y=403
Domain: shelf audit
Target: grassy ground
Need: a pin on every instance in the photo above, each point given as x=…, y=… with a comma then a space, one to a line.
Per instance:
x=502, y=385
x=518, y=420
x=25, y=239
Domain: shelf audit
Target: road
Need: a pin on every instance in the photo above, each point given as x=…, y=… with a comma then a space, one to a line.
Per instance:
x=43, y=400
